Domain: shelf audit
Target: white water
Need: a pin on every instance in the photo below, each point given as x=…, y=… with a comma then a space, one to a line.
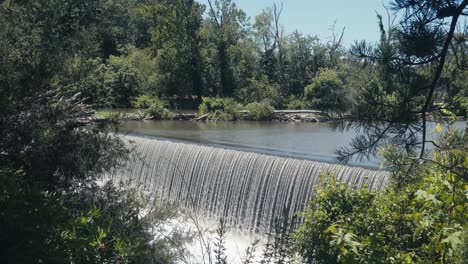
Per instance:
x=249, y=190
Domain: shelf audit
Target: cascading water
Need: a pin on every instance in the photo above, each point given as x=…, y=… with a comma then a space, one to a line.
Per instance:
x=249, y=190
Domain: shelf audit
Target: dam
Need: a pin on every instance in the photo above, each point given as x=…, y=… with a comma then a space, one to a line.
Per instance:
x=249, y=190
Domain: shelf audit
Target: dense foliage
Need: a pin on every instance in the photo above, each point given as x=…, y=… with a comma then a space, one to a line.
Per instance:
x=327, y=92
x=260, y=111
x=220, y=108
x=91, y=225
x=52, y=208
x=419, y=218
x=407, y=84
x=170, y=50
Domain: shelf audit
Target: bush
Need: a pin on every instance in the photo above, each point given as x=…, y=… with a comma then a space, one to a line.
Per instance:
x=143, y=102
x=422, y=217
x=154, y=107
x=261, y=90
x=158, y=111
x=260, y=111
x=327, y=91
x=220, y=108
x=296, y=103
x=93, y=224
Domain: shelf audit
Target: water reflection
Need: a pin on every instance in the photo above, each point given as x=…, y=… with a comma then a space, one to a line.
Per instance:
x=315, y=141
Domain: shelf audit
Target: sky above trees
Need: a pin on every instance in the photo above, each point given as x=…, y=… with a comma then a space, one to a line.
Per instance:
x=316, y=17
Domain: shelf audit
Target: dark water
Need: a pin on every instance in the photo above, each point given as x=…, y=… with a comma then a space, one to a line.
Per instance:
x=313, y=141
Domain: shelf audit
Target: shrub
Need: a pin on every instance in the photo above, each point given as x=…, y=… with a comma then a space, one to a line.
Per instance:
x=420, y=218
x=261, y=90
x=154, y=107
x=158, y=111
x=143, y=102
x=327, y=91
x=92, y=224
x=220, y=108
x=296, y=103
x=260, y=111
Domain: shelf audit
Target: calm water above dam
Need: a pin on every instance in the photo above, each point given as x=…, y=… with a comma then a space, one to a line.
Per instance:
x=314, y=141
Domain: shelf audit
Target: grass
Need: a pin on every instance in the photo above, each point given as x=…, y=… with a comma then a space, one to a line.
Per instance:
x=108, y=112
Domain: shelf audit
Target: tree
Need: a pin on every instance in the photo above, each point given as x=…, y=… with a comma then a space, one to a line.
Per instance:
x=397, y=113
x=225, y=28
x=244, y=64
x=269, y=37
x=261, y=90
x=455, y=75
x=121, y=23
x=177, y=46
x=334, y=47
x=121, y=82
x=52, y=209
x=300, y=63
x=40, y=121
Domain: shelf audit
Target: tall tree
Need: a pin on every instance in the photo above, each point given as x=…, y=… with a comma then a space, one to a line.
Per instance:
x=226, y=25
x=52, y=209
x=301, y=63
x=176, y=43
x=269, y=35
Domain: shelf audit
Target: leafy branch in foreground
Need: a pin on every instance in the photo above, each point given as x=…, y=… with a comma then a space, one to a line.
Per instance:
x=404, y=90
x=219, y=245
x=420, y=218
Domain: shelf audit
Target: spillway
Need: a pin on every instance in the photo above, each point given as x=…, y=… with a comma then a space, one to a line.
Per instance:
x=249, y=190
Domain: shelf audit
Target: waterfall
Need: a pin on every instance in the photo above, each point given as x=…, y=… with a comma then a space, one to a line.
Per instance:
x=250, y=190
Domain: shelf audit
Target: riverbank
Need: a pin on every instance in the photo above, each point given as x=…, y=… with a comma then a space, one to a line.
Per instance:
x=313, y=116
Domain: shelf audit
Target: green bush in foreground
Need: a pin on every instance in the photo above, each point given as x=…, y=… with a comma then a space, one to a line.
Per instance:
x=421, y=218
x=260, y=111
x=93, y=225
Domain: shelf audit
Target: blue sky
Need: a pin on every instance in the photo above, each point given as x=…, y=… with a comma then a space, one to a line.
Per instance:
x=315, y=17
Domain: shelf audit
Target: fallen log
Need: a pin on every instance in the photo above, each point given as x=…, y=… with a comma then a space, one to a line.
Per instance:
x=202, y=118
x=182, y=116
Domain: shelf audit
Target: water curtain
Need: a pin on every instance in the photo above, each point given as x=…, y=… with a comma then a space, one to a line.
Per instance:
x=249, y=190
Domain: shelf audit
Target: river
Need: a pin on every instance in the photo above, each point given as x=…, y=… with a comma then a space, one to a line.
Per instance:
x=312, y=141
x=211, y=182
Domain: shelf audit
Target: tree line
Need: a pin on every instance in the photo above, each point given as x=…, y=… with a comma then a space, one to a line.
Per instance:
x=181, y=51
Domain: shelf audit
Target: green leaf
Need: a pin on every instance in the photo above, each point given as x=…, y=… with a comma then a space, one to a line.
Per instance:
x=437, y=128
x=331, y=229
x=454, y=239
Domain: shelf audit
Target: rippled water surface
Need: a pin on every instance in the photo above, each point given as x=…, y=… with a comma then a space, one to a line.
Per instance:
x=314, y=141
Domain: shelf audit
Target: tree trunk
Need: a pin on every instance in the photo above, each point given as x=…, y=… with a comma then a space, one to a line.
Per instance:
x=224, y=71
